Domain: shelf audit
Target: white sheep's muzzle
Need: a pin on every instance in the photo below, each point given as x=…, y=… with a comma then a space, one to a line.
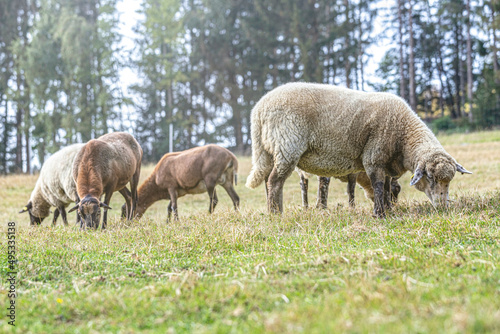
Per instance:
x=436, y=191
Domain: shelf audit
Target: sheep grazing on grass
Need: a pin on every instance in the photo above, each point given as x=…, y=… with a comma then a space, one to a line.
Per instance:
x=351, y=179
x=55, y=187
x=333, y=131
x=193, y=171
x=103, y=166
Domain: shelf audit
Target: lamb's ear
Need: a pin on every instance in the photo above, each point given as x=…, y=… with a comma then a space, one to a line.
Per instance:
x=74, y=208
x=26, y=208
x=104, y=205
x=419, y=173
x=462, y=170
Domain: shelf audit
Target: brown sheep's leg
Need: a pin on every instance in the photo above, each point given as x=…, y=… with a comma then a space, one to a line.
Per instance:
x=62, y=210
x=127, y=213
x=275, y=185
x=387, y=193
x=324, y=183
x=304, y=186
x=169, y=210
x=56, y=215
x=212, y=193
x=133, y=188
x=173, y=202
x=351, y=186
x=377, y=177
x=232, y=193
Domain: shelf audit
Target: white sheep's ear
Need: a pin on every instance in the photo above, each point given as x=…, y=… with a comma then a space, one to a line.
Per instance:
x=74, y=208
x=462, y=170
x=104, y=205
x=419, y=173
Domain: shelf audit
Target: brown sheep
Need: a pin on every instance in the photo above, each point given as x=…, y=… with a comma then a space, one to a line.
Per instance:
x=103, y=166
x=193, y=171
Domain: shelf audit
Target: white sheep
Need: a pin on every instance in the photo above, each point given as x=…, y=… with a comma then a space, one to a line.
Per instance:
x=333, y=131
x=351, y=180
x=55, y=186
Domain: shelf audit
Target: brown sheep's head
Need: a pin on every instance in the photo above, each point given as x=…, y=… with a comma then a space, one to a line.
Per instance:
x=34, y=219
x=433, y=177
x=89, y=211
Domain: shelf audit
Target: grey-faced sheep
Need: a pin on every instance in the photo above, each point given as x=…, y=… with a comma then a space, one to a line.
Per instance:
x=351, y=179
x=103, y=166
x=334, y=131
x=55, y=186
x=193, y=171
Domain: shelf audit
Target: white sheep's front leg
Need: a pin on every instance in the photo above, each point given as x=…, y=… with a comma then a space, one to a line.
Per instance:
x=322, y=202
x=377, y=178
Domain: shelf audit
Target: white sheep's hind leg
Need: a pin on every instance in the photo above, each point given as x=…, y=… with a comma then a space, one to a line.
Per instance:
x=351, y=185
x=304, y=186
x=279, y=174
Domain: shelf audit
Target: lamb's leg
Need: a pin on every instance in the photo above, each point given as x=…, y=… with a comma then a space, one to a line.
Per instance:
x=107, y=199
x=62, y=210
x=228, y=186
x=275, y=184
x=351, y=186
x=304, y=186
x=56, y=215
x=128, y=203
x=324, y=183
x=377, y=177
x=387, y=193
x=173, y=202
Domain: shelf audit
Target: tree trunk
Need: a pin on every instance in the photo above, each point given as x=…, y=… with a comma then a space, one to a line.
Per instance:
x=469, y=64
x=402, y=88
x=496, y=71
x=413, y=97
x=347, y=63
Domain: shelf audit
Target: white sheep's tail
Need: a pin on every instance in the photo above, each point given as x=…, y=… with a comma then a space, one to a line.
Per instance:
x=262, y=162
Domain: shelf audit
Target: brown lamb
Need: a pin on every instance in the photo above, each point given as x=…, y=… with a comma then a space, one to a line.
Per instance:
x=193, y=171
x=103, y=166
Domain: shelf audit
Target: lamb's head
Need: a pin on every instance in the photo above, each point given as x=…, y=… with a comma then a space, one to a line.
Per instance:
x=89, y=210
x=36, y=216
x=433, y=175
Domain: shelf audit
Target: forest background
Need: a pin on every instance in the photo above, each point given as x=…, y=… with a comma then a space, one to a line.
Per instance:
x=201, y=65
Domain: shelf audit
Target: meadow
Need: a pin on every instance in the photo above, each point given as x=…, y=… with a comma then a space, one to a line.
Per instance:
x=421, y=269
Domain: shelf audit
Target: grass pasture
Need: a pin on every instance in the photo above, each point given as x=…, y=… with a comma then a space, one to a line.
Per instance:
x=420, y=270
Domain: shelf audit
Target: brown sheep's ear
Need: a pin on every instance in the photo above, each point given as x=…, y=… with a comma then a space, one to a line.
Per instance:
x=27, y=208
x=104, y=205
x=462, y=169
x=74, y=208
x=419, y=173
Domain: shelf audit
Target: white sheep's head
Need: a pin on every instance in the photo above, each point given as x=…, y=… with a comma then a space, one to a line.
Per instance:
x=34, y=219
x=89, y=211
x=433, y=177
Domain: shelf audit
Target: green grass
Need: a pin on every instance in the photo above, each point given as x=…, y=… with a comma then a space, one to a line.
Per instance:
x=338, y=270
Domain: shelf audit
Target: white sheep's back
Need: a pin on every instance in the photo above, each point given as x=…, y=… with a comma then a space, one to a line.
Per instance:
x=329, y=127
x=56, y=176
